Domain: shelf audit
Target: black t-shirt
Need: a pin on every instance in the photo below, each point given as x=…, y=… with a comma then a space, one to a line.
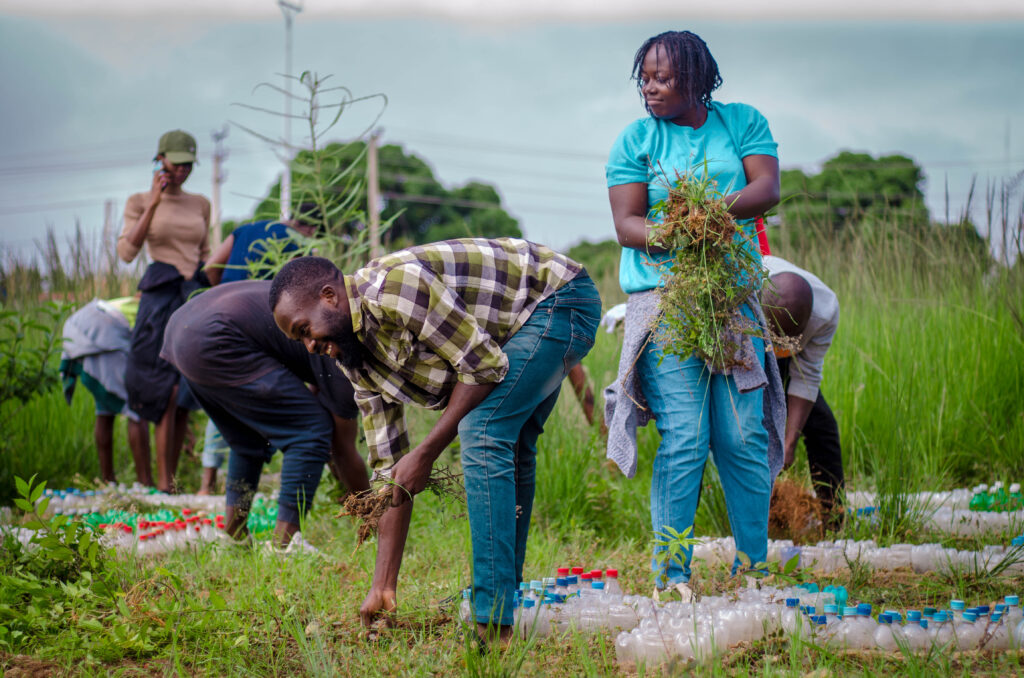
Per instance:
x=226, y=336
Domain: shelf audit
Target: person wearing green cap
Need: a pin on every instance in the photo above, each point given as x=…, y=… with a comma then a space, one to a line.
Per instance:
x=173, y=226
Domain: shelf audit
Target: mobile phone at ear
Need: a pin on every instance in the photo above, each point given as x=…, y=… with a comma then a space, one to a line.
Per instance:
x=157, y=166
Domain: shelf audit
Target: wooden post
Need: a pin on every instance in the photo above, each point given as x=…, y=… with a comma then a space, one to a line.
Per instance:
x=219, y=155
x=373, y=195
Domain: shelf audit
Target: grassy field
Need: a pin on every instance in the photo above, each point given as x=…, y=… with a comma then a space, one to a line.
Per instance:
x=924, y=378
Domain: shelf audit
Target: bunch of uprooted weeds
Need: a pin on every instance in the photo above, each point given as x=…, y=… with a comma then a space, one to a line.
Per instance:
x=369, y=506
x=712, y=272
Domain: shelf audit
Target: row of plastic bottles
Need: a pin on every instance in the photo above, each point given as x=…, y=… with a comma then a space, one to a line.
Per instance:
x=166, y=529
x=996, y=498
x=72, y=501
x=575, y=598
x=830, y=556
x=697, y=631
x=979, y=498
x=965, y=522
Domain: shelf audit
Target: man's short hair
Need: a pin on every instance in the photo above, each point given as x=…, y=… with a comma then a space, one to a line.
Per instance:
x=303, y=278
x=788, y=301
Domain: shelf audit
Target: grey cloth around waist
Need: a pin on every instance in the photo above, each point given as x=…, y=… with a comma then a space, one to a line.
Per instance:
x=625, y=408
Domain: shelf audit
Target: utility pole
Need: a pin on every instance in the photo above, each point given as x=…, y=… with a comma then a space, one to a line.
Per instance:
x=373, y=194
x=289, y=10
x=220, y=154
x=109, y=239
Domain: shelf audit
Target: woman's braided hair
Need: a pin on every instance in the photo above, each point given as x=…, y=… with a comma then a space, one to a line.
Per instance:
x=694, y=71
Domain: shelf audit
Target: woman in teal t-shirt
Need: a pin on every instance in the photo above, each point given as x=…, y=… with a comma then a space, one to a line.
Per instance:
x=694, y=409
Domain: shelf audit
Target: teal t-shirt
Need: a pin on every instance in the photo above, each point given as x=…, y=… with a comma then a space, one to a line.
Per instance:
x=650, y=151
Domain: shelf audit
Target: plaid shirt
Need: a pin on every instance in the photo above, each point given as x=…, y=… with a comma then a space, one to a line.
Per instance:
x=437, y=314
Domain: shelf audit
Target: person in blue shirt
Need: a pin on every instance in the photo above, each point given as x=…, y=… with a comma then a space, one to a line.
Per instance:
x=696, y=411
x=244, y=246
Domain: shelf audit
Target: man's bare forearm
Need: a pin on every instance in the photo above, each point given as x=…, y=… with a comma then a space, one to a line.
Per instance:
x=392, y=531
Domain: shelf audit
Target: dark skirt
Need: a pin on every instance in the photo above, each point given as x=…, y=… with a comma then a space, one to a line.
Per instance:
x=149, y=379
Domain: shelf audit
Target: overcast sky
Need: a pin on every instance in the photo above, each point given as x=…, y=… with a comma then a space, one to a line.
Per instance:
x=527, y=95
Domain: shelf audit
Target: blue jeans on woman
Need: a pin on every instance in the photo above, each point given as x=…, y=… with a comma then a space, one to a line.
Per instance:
x=499, y=440
x=697, y=411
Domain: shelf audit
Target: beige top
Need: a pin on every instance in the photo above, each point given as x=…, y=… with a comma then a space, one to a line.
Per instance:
x=178, y=234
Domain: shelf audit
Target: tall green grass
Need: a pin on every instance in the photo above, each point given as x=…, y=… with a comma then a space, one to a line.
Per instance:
x=51, y=438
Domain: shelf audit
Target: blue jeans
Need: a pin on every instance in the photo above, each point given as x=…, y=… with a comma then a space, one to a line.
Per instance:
x=499, y=440
x=273, y=412
x=696, y=411
x=214, y=447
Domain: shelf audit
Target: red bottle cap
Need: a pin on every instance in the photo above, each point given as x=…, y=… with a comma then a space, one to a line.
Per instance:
x=596, y=574
x=577, y=570
x=586, y=576
x=612, y=573
x=207, y=521
x=563, y=571
x=186, y=512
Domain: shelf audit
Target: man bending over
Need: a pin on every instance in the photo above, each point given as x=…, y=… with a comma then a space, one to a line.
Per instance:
x=485, y=330
x=252, y=382
x=798, y=304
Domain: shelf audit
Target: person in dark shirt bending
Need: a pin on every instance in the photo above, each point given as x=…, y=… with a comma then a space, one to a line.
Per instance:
x=251, y=380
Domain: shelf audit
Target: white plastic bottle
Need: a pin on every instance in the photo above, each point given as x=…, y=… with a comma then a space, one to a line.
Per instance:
x=466, y=606
x=883, y=637
x=943, y=635
x=527, y=618
x=625, y=648
x=915, y=634
x=958, y=607
x=1013, y=614
x=1000, y=635
x=790, y=615
x=1018, y=635
x=968, y=634
x=611, y=585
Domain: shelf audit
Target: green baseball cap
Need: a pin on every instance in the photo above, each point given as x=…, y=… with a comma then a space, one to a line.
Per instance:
x=177, y=146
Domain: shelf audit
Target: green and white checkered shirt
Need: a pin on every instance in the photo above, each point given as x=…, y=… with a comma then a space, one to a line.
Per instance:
x=436, y=314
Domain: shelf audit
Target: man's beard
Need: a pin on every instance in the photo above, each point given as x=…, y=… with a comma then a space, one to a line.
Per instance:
x=351, y=352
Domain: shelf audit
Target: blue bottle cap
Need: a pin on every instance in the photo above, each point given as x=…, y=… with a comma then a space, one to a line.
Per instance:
x=572, y=579
x=598, y=585
x=1012, y=600
x=957, y=605
x=849, y=611
x=884, y=619
x=939, y=617
x=970, y=617
x=864, y=608
x=924, y=624
x=818, y=619
x=1000, y=607
x=996, y=616
x=1017, y=541
x=561, y=582
x=831, y=609
x=529, y=602
x=792, y=602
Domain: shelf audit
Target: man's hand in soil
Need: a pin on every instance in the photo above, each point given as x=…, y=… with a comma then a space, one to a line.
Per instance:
x=379, y=603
